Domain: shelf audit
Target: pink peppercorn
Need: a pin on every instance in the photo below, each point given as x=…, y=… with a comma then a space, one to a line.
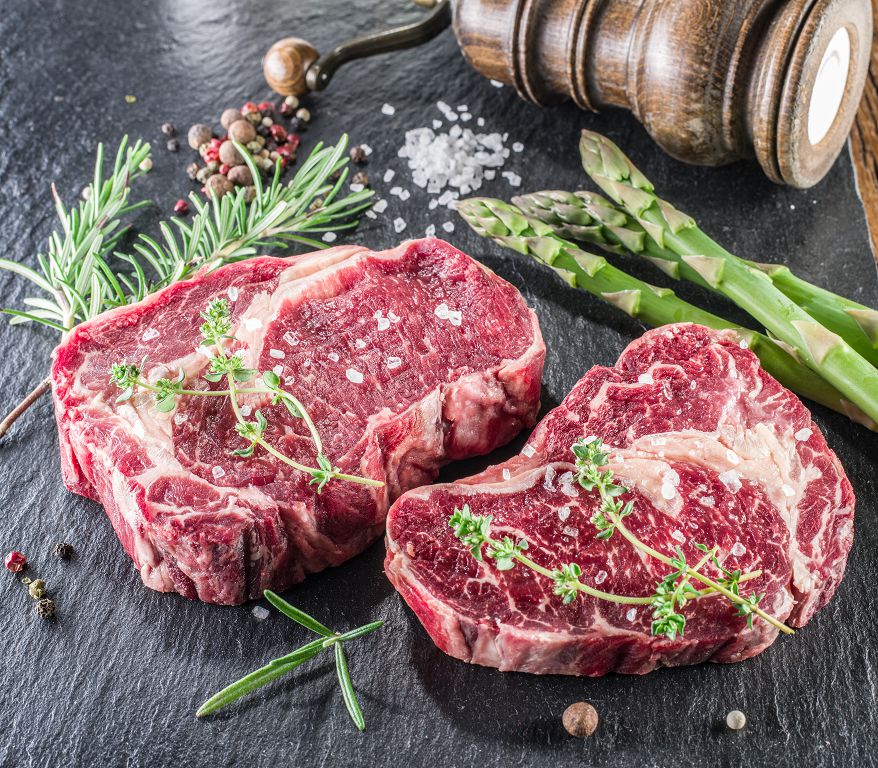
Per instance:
x=15, y=562
x=181, y=207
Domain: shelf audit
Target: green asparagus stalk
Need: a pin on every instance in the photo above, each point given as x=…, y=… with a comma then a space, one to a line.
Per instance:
x=823, y=351
x=590, y=218
x=509, y=227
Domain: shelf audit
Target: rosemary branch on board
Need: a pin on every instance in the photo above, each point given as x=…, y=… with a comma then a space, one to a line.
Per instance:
x=672, y=593
x=215, y=331
x=281, y=666
x=83, y=274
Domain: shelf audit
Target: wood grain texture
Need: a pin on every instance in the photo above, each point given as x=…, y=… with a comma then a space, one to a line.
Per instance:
x=864, y=143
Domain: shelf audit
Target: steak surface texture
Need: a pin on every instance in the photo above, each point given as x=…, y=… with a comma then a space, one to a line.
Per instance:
x=405, y=359
x=712, y=450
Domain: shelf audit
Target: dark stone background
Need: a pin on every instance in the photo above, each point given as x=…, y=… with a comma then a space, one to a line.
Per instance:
x=116, y=679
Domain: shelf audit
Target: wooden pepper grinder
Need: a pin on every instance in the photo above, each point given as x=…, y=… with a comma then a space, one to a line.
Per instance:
x=712, y=81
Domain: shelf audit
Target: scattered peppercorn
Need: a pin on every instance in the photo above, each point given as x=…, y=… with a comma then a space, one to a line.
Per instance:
x=286, y=110
x=63, y=550
x=240, y=176
x=580, y=719
x=145, y=164
x=199, y=134
x=304, y=115
x=316, y=205
x=358, y=155
x=181, y=207
x=229, y=155
x=192, y=170
x=15, y=562
x=230, y=116
x=169, y=129
x=173, y=145
x=361, y=178
x=85, y=194
x=292, y=101
x=45, y=608
x=242, y=132
x=37, y=589
x=218, y=185
x=736, y=720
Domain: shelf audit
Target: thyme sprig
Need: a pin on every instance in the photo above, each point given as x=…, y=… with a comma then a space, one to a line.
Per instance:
x=672, y=593
x=83, y=274
x=215, y=332
x=285, y=664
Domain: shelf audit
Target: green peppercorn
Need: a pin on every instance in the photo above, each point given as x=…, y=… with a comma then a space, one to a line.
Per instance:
x=37, y=589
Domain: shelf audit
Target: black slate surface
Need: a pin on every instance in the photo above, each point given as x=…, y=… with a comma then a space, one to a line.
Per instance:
x=116, y=679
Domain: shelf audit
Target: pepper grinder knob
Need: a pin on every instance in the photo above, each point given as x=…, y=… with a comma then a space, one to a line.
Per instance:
x=286, y=66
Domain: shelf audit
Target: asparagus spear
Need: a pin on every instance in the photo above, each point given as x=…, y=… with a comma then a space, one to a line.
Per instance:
x=820, y=349
x=509, y=227
x=591, y=218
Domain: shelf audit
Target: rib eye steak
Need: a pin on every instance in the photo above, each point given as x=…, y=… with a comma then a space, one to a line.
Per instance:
x=712, y=450
x=405, y=359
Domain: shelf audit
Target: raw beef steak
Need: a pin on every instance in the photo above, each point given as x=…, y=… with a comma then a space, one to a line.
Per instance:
x=712, y=449
x=405, y=360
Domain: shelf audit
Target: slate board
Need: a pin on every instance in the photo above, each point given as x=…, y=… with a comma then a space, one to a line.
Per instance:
x=116, y=679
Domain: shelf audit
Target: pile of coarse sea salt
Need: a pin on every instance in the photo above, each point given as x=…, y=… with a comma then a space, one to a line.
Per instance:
x=450, y=164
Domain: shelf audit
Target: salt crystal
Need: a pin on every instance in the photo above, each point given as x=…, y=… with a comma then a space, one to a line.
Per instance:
x=372, y=214
x=569, y=530
x=278, y=370
x=518, y=147
x=277, y=354
x=441, y=311
x=329, y=237
x=357, y=188
x=366, y=148
x=513, y=178
x=179, y=418
x=731, y=480
x=380, y=206
x=528, y=450
x=150, y=334
x=739, y=549
x=496, y=83
x=217, y=473
x=246, y=410
x=252, y=324
x=788, y=490
x=455, y=317
x=359, y=344
x=466, y=117
x=430, y=231
x=398, y=224
x=353, y=375
x=668, y=491
x=333, y=356
x=549, y=482
x=437, y=124
x=506, y=474
x=566, y=485
x=803, y=434
x=480, y=122
x=433, y=205
x=383, y=323
x=393, y=362
x=388, y=110
x=290, y=338
x=232, y=293
x=260, y=613
x=448, y=226
x=563, y=513
x=600, y=577
x=631, y=614
x=679, y=536
x=396, y=191
x=393, y=317
x=405, y=195
x=645, y=378
x=388, y=175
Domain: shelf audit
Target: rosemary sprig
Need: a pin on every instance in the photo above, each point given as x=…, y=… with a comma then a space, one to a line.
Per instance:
x=215, y=332
x=672, y=593
x=79, y=278
x=281, y=666
x=74, y=274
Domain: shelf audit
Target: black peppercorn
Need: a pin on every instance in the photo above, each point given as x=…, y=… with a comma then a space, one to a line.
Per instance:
x=360, y=178
x=358, y=155
x=63, y=550
x=45, y=608
x=169, y=129
x=173, y=145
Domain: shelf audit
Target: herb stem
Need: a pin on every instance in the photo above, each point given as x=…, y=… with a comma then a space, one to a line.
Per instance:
x=35, y=394
x=737, y=599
